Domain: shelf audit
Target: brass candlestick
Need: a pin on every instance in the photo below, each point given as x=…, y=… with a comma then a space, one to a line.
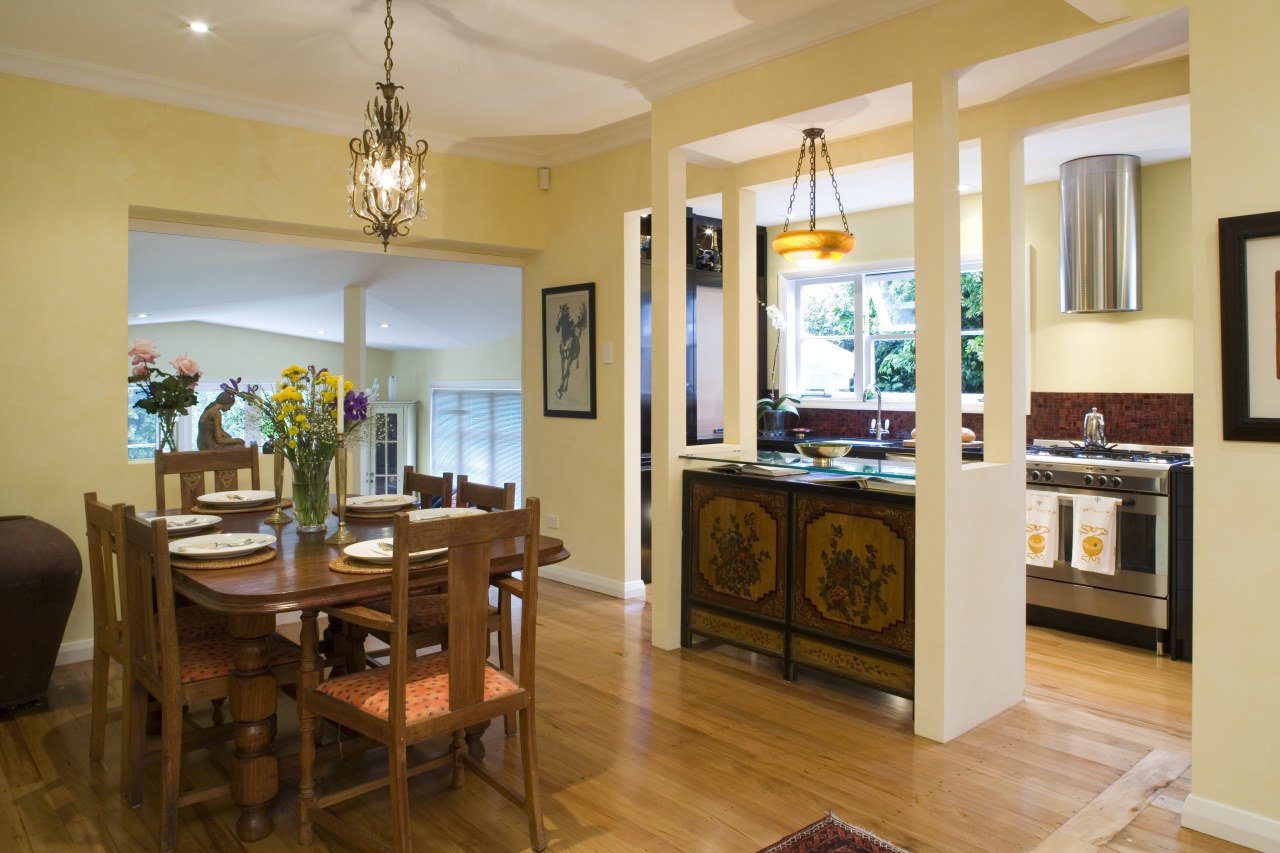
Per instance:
x=279, y=516
x=341, y=536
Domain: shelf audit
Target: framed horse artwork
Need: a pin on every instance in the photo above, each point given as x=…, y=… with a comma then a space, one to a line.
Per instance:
x=568, y=351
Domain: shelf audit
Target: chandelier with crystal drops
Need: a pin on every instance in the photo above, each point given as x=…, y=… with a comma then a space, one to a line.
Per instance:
x=386, y=184
x=814, y=247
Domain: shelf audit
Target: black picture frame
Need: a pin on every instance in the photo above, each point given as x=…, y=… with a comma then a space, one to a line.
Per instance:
x=569, y=351
x=1249, y=265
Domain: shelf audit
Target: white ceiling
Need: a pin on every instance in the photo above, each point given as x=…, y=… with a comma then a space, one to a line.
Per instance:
x=538, y=82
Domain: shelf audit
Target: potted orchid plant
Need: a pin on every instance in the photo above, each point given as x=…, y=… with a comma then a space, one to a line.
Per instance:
x=773, y=409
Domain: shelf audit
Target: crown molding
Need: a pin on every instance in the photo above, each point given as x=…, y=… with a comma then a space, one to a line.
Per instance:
x=113, y=81
x=753, y=45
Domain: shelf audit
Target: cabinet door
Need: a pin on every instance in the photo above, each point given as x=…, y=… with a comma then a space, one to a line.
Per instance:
x=390, y=446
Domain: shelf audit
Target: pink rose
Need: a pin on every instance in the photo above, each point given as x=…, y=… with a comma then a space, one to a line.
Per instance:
x=186, y=365
x=143, y=350
x=139, y=369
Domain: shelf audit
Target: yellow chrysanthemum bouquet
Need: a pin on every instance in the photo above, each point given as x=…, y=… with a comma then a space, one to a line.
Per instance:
x=303, y=418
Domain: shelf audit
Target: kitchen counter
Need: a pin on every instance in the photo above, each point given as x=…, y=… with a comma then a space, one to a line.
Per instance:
x=887, y=475
x=864, y=446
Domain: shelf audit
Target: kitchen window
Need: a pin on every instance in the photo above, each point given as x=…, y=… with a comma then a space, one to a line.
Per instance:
x=856, y=329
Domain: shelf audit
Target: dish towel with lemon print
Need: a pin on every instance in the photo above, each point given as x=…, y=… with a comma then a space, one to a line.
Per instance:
x=1093, y=544
x=1042, y=528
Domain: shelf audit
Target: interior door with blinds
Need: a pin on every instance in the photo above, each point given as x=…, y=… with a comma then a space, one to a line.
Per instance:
x=393, y=445
x=476, y=431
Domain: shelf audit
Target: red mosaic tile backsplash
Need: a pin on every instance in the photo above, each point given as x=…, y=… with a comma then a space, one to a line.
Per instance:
x=1161, y=419
x=1129, y=418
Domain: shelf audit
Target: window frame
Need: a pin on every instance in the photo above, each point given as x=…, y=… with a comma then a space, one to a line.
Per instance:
x=791, y=284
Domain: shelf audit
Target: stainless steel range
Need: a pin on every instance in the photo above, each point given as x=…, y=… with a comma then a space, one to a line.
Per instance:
x=1138, y=593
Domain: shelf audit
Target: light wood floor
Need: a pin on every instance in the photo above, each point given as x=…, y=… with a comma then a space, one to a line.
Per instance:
x=705, y=750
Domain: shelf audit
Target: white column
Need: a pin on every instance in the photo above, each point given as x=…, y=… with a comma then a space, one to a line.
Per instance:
x=740, y=314
x=353, y=334
x=969, y=619
x=668, y=433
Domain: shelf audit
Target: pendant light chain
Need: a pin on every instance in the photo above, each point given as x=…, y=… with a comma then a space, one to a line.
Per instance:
x=387, y=43
x=813, y=185
x=791, y=203
x=834, y=186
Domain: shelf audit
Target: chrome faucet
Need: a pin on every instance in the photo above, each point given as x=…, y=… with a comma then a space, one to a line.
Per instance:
x=878, y=428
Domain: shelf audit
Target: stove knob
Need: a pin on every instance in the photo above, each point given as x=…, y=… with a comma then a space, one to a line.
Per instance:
x=1048, y=476
x=1115, y=482
x=1088, y=479
x=1034, y=476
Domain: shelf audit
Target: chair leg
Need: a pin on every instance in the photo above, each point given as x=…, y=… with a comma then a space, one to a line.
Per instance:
x=532, y=795
x=307, y=678
x=137, y=734
x=457, y=749
x=506, y=654
x=398, y=782
x=170, y=765
x=98, y=703
x=218, y=711
x=127, y=767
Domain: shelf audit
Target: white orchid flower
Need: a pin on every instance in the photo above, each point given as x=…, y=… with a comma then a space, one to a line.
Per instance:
x=776, y=318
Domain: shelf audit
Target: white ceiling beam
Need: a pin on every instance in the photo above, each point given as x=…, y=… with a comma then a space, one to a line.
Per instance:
x=1102, y=11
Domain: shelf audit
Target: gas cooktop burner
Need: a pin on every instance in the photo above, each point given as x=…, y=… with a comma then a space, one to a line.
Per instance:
x=1111, y=453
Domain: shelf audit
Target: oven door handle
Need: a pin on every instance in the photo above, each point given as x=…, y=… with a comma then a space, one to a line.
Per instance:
x=1123, y=501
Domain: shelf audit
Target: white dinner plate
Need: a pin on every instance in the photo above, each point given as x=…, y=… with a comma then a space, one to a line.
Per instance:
x=215, y=546
x=437, y=512
x=378, y=503
x=187, y=523
x=379, y=551
x=237, y=497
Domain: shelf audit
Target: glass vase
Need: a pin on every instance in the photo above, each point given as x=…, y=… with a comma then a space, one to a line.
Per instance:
x=168, y=426
x=773, y=424
x=311, y=494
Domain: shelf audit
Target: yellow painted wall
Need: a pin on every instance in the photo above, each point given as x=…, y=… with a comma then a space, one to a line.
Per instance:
x=584, y=470
x=1235, y=120
x=1145, y=351
x=64, y=280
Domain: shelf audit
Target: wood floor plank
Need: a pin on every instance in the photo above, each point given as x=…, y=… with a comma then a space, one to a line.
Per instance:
x=704, y=749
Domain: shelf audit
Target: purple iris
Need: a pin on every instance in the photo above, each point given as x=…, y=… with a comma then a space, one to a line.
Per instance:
x=232, y=385
x=355, y=406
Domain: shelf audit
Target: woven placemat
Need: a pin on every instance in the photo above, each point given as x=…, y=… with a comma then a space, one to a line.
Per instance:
x=226, y=563
x=352, y=566
x=266, y=507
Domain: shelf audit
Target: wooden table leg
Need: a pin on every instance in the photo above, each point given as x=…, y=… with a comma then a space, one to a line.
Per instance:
x=254, y=771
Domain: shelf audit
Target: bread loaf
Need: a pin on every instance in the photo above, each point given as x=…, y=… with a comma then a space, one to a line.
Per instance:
x=966, y=434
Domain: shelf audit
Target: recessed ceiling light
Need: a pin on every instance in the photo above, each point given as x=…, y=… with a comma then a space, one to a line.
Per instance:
x=199, y=27
x=384, y=325
x=966, y=188
x=142, y=316
x=319, y=331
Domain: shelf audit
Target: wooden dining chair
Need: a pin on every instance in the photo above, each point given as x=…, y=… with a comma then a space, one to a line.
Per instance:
x=174, y=674
x=432, y=491
x=104, y=526
x=413, y=698
x=492, y=499
x=192, y=465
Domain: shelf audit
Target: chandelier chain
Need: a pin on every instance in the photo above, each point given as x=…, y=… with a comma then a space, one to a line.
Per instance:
x=791, y=203
x=834, y=185
x=387, y=43
x=813, y=186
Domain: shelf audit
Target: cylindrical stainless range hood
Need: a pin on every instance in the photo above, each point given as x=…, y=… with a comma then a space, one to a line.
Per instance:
x=1100, y=237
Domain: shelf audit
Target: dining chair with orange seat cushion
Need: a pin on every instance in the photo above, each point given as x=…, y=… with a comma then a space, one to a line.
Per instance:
x=174, y=674
x=192, y=465
x=414, y=699
x=104, y=527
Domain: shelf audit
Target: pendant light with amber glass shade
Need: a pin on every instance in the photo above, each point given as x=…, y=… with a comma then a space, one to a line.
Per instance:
x=813, y=247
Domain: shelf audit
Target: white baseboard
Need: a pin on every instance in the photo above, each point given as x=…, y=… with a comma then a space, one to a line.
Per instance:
x=75, y=652
x=1233, y=824
x=595, y=583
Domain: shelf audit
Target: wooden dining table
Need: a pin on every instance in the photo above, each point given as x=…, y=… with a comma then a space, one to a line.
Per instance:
x=298, y=578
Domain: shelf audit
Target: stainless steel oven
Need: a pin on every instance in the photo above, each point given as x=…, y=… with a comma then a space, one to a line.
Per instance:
x=1138, y=593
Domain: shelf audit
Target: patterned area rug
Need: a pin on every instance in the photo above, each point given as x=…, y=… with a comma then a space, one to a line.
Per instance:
x=832, y=835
